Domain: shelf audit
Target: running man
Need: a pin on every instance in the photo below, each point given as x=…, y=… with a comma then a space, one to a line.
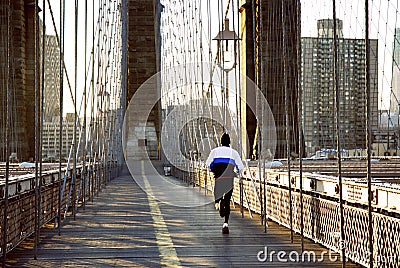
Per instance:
x=222, y=162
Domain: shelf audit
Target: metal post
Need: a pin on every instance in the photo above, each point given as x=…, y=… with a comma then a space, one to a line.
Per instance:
x=7, y=130
x=256, y=76
x=238, y=81
x=368, y=135
x=75, y=115
x=258, y=104
x=37, y=141
x=62, y=23
x=338, y=136
x=287, y=117
x=83, y=173
x=300, y=122
x=41, y=107
x=263, y=92
x=241, y=195
x=92, y=124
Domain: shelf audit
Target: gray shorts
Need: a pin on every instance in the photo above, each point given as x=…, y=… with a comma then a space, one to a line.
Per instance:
x=222, y=186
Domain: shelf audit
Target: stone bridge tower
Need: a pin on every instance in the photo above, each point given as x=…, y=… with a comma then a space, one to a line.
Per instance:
x=143, y=63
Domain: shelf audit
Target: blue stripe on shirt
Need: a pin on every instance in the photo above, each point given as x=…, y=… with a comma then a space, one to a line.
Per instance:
x=222, y=161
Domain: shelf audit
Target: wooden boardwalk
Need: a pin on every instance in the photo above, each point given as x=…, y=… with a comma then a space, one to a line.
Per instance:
x=125, y=227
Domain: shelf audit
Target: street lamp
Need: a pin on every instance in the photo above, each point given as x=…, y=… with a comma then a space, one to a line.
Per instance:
x=227, y=60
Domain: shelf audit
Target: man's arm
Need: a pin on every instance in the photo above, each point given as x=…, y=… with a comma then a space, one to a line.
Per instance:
x=238, y=161
x=210, y=159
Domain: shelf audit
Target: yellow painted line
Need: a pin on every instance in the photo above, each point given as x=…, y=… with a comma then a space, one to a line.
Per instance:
x=168, y=255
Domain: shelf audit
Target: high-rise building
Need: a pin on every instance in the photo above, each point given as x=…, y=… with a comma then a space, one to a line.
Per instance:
x=318, y=82
x=51, y=138
x=395, y=94
x=51, y=93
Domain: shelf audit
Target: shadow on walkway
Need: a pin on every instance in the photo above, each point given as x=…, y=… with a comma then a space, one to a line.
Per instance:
x=125, y=227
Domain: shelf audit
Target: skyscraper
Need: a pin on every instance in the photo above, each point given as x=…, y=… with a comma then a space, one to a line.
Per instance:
x=395, y=94
x=319, y=111
x=51, y=79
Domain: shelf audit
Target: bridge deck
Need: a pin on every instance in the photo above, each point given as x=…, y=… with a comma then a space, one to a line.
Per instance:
x=125, y=227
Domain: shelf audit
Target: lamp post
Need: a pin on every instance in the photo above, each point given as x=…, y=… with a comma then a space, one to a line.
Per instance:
x=227, y=55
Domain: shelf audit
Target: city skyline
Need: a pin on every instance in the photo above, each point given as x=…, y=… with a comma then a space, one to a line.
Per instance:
x=382, y=27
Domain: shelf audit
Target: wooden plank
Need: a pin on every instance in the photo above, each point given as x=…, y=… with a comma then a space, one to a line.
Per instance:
x=119, y=229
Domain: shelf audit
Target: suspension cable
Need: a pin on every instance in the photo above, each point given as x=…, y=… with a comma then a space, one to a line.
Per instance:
x=368, y=135
x=338, y=130
x=288, y=143
x=37, y=121
x=61, y=70
x=8, y=11
x=300, y=119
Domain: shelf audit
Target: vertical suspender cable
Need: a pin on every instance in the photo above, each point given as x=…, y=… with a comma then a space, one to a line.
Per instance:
x=83, y=173
x=202, y=94
x=219, y=57
x=256, y=80
x=62, y=11
x=97, y=121
x=243, y=152
x=106, y=127
x=209, y=92
x=238, y=85
x=93, y=125
x=258, y=74
x=253, y=15
x=212, y=65
x=368, y=134
x=75, y=115
x=391, y=84
x=41, y=107
x=8, y=130
x=37, y=103
x=300, y=118
x=62, y=20
x=95, y=112
x=261, y=106
x=124, y=71
x=264, y=93
x=338, y=136
x=105, y=98
x=287, y=115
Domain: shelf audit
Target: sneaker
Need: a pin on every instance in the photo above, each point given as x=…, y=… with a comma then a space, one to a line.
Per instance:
x=225, y=229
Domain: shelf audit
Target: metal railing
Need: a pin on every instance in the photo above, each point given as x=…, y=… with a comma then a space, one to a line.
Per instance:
x=320, y=212
x=21, y=199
